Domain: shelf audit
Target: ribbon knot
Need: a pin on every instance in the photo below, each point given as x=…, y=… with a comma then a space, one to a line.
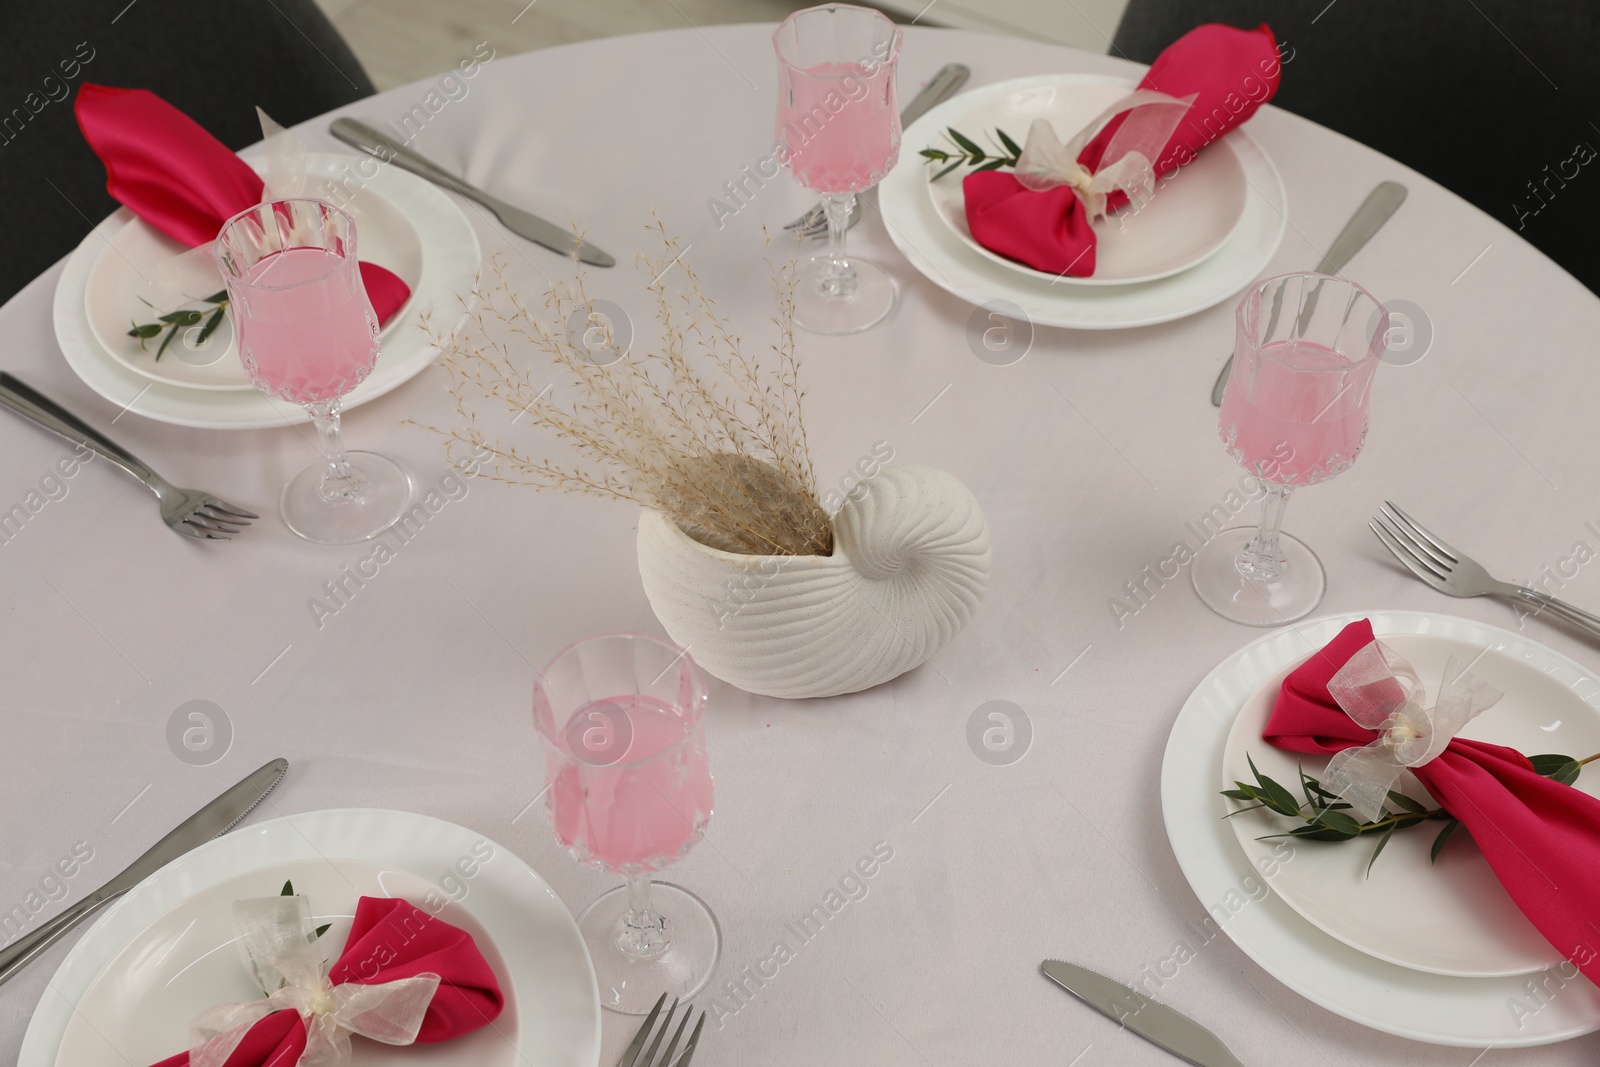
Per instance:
x=1380, y=691
x=1045, y=162
x=278, y=942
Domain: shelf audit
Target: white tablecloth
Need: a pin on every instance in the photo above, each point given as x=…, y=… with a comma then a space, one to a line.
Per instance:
x=1089, y=456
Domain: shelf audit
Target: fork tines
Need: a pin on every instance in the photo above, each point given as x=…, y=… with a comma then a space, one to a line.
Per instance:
x=631, y=1058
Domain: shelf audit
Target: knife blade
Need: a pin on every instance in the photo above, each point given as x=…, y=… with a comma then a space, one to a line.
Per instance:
x=1153, y=1021
x=540, y=231
x=1384, y=200
x=213, y=820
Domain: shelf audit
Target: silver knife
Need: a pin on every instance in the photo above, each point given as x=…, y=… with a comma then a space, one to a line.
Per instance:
x=522, y=223
x=1156, y=1023
x=1384, y=200
x=213, y=820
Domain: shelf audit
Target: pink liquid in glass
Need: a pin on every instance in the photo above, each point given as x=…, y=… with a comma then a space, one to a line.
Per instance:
x=1302, y=419
x=643, y=810
x=838, y=126
x=307, y=332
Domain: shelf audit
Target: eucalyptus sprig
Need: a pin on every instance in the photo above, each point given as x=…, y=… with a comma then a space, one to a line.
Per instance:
x=288, y=891
x=1326, y=817
x=970, y=154
x=175, y=321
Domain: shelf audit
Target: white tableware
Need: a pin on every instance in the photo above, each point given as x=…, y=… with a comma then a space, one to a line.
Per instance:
x=1471, y=1012
x=441, y=263
x=937, y=252
x=122, y=280
x=126, y=992
x=1189, y=219
x=1460, y=920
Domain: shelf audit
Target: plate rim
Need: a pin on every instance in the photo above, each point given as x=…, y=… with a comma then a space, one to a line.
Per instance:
x=250, y=409
x=1086, y=78
x=1269, y=930
x=144, y=904
x=1268, y=202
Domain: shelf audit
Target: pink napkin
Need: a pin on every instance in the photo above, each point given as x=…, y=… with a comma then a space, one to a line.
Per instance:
x=390, y=939
x=177, y=177
x=1541, y=838
x=1231, y=71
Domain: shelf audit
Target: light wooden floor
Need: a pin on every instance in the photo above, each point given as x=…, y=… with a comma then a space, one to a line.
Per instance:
x=399, y=41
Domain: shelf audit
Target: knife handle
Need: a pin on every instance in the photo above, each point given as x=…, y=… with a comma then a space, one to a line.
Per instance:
x=942, y=85
x=16, y=955
x=358, y=134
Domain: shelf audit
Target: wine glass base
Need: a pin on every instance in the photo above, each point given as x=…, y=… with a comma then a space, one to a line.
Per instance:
x=631, y=986
x=346, y=522
x=820, y=311
x=1294, y=595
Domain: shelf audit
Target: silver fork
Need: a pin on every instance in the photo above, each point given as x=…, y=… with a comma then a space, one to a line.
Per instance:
x=1455, y=574
x=630, y=1058
x=191, y=512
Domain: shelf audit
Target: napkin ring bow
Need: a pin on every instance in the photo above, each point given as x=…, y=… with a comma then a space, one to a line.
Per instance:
x=278, y=942
x=1125, y=165
x=1380, y=691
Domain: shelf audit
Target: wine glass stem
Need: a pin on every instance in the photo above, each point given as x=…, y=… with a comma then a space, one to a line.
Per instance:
x=1261, y=560
x=341, y=481
x=644, y=930
x=839, y=279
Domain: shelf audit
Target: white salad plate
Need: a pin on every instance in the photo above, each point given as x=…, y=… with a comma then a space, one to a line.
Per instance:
x=402, y=223
x=165, y=952
x=947, y=259
x=1189, y=218
x=1403, y=1000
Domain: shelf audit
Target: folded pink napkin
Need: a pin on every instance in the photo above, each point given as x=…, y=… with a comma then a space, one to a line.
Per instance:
x=1231, y=72
x=170, y=172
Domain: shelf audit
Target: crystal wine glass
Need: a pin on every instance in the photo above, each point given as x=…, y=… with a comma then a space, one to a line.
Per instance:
x=1294, y=413
x=839, y=135
x=307, y=333
x=622, y=721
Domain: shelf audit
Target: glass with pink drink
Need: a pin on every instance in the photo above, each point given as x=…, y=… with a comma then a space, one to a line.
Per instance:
x=622, y=722
x=838, y=132
x=307, y=334
x=1294, y=413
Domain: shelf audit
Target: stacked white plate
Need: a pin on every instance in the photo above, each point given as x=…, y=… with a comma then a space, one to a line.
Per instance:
x=113, y=278
x=1430, y=951
x=1210, y=230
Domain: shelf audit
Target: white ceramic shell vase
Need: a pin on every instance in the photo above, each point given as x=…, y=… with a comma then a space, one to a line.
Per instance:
x=910, y=563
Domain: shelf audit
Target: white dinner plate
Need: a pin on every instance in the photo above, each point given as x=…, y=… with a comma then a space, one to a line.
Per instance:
x=1189, y=218
x=1446, y=1010
x=164, y=953
x=945, y=259
x=449, y=260
x=120, y=291
x=1450, y=917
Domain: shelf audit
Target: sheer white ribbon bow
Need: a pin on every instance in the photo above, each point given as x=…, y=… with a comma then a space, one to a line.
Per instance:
x=1126, y=163
x=278, y=943
x=1381, y=691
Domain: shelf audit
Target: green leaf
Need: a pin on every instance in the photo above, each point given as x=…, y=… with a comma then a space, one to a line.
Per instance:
x=1563, y=769
x=1339, y=822
x=1276, y=796
x=1311, y=833
x=323, y=929
x=1011, y=146
x=149, y=329
x=1407, y=803
x=288, y=889
x=1238, y=794
x=1444, y=835
x=182, y=318
x=966, y=143
x=1384, y=840
x=172, y=331
x=993, y=164
x=218, y=297
x=946, y=170
x=210, y=327
x=1568, y=774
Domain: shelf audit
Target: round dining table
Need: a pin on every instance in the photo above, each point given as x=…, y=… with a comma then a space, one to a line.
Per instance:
x=1090, y=456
